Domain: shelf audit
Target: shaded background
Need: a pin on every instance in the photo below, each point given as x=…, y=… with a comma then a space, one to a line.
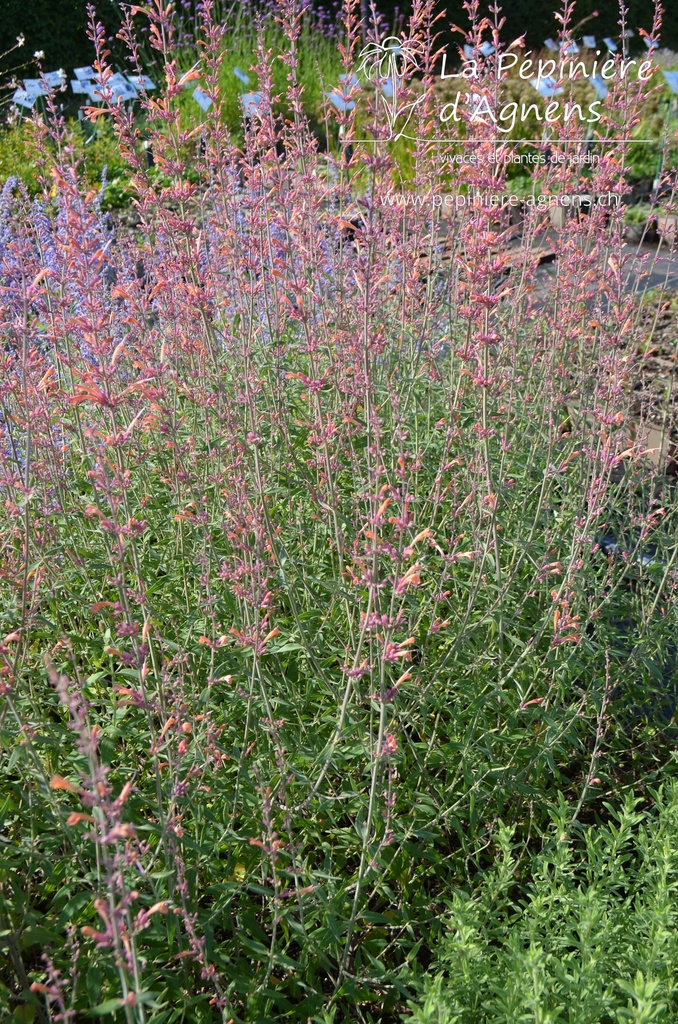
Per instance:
x=59, y=26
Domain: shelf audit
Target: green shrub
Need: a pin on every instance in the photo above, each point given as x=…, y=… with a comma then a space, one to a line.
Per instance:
x=584, y=932
x=638, y=214
x=94, y=148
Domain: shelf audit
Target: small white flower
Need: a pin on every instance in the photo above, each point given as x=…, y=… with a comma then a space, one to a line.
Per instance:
x=39, y=54
x=20, y=40
x=61, y=73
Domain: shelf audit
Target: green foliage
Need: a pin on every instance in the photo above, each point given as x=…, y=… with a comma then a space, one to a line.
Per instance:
x=94, y=148
x=583, y=932
x=639, y=213
x=16, y=157
x=318, y=69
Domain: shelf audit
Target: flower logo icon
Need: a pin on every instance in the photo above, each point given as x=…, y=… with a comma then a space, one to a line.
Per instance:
x=386, y=64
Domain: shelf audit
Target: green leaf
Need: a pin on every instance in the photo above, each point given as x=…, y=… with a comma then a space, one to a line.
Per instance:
x=109, y=1006
x=25, y=1013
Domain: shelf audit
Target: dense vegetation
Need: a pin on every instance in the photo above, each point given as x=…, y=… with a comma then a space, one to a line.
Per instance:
x=337, y=575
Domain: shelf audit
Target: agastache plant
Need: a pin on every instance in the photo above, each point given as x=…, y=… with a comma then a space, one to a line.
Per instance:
x=306, y=484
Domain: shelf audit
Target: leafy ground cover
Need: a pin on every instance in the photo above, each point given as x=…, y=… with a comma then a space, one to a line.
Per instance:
x=589, y=936
x=338, y=657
